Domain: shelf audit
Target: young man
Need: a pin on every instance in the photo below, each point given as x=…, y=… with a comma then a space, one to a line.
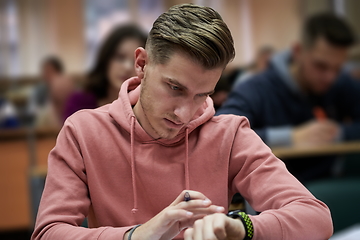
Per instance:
x=303, y=98
x=134, y=161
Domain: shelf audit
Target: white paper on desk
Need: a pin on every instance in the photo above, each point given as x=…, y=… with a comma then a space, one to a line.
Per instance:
x=351, y=233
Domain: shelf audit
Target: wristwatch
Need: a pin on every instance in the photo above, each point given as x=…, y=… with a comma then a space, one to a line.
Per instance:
x=245, y=219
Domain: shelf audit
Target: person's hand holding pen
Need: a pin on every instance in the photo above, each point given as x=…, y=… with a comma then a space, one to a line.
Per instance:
x=319, y=131
x=188, y=207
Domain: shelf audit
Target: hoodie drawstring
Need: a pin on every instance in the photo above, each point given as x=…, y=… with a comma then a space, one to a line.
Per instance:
x=187, y=177
x=132, y=159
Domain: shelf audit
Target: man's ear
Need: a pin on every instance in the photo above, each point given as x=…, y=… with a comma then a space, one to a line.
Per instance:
x=141, y=59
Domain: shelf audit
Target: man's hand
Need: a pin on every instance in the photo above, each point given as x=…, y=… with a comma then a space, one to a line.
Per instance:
x=214, y=227
x=315, y=133
x=174, y=218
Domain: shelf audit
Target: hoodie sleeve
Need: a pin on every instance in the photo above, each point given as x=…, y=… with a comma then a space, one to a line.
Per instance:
x=288, y=209
x=65, y=201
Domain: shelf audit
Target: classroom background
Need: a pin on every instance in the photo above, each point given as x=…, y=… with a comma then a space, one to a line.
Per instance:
x=70, y=32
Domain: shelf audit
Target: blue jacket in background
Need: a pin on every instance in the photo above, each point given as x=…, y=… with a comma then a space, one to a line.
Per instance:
x=274, y=105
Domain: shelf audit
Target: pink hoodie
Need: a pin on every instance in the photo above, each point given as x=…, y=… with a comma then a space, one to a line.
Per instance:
x=107, y=168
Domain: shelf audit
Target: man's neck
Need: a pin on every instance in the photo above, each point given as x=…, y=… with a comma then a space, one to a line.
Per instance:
x=141, y=118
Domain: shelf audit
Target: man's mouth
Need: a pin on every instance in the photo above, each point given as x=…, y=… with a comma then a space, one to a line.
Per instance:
x=173, y=124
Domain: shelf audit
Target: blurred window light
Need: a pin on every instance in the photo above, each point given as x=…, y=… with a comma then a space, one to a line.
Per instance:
x=339, y=7
x=102, y=15
x=149, y=11
x=9, y=39
x=245, y=21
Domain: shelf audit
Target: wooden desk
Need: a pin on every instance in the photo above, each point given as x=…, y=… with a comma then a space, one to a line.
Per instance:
x=14, y=173
x=338, y=148
x=22, y=133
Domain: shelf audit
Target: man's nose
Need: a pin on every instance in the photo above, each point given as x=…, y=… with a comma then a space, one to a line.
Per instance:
x=184, y=112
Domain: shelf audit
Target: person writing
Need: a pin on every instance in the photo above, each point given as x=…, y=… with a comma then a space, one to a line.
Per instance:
x=129, y=165
x=304, y=98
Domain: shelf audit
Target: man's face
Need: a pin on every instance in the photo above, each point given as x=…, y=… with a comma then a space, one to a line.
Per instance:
x=47, y=72
x=319, y=65
x=171, y=93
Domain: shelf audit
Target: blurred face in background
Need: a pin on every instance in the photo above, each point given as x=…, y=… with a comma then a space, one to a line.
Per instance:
x=121, y=66
x=48, y=72
x=319, y=65
x=263, y=59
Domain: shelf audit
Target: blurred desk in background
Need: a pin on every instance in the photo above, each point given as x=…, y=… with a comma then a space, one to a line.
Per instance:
x=22, y=133
x=18, y=147
x=310, y=151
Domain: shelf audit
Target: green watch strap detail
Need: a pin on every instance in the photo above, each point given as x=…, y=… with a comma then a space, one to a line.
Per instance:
x=249, y=229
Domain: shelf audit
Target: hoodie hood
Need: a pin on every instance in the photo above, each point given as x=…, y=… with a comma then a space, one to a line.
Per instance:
x=280, y=63
x=121, y=111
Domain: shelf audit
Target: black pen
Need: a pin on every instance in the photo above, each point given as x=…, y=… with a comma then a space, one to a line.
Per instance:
x=187, y=197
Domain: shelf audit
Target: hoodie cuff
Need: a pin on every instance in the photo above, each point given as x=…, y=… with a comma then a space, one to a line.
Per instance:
x=112, y=233
x=279, y=136
x=266, y=226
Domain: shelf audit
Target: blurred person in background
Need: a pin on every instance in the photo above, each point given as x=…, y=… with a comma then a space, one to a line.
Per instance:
x=260, y=63
x=221, y=93
x=304, y=98
x=48, y=99
x=8, y=115
x=353, y=65
x=113, y=65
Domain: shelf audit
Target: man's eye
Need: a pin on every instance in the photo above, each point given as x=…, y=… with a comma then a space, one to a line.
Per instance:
x=174, y=87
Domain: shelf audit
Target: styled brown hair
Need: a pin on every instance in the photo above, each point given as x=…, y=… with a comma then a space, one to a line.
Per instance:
x=198, y=31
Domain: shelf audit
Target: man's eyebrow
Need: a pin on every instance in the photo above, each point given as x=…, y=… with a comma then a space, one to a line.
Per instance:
x=208, y=93
x=175, y=82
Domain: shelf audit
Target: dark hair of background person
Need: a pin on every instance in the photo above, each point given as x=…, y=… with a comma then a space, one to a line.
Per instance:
x=97, y=81
x=55, y=62
x=332, y=28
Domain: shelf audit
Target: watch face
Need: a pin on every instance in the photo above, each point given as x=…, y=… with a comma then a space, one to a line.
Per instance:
x=234, y=214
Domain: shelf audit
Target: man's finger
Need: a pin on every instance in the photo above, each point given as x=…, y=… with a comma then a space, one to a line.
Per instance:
x=208, y=230
x=176, y=215
x=188, y=234
x=198, y=230
x=219, y=226
x=189, y=222
x=194, y=204
x=193, y=196
x=209, y=210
